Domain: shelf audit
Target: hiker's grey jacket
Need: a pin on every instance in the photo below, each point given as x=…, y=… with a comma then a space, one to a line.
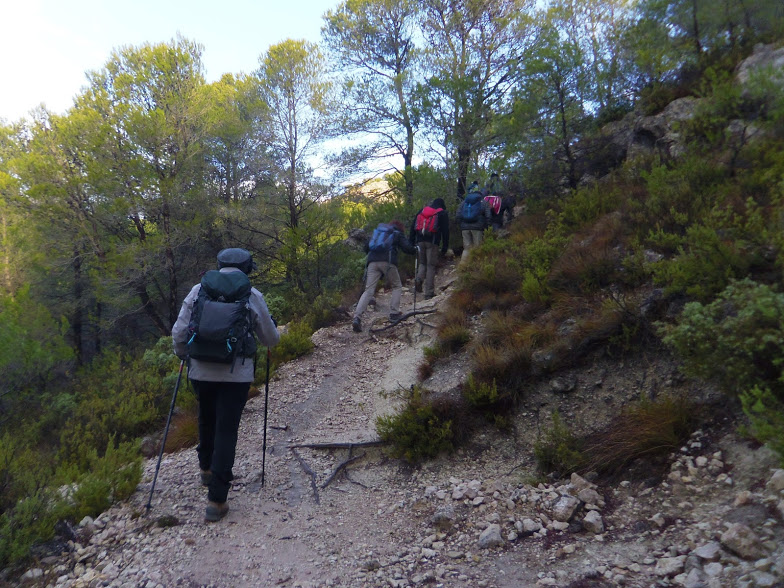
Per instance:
x=208, y=371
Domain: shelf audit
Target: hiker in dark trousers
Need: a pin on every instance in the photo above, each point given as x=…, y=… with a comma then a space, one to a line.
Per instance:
x=428, y=243
x=473, y=216
x=383, y=263
x=222, y=388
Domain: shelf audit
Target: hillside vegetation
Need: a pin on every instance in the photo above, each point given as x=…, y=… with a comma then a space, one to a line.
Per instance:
x=648, y=170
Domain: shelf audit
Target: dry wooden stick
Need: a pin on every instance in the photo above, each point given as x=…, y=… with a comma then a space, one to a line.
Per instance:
x=338, y=445
x=340, y=467
x=401, y=319
x=311, y=473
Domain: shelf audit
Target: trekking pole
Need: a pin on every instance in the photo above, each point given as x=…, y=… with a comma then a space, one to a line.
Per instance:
x=266, y=402
x=165, y=434
x=416, y=271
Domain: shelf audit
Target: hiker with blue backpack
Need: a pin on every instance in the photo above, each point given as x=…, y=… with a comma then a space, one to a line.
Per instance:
x=473, y=216
x=429, y=231
x=382, y=251
x=216, y=333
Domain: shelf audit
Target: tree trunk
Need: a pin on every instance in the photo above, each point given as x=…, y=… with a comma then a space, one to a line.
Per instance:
x=77, y=324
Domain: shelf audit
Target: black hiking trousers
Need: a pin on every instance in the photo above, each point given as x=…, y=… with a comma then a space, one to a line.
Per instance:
x=220, y=410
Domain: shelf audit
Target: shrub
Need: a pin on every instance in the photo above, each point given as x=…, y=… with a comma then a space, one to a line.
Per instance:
x=704, y=265
x=559, y=451
x=421, y=430
x=647, y=429
x=737, y=340
x=484, y=396
x=294, y=343
x=766, y=415
x=109, y=478
x=31, y=521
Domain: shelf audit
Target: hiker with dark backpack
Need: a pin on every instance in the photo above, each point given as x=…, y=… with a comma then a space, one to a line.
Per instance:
x=473, y=215
x=382, y=249
x=429, y=230
x=216, y=332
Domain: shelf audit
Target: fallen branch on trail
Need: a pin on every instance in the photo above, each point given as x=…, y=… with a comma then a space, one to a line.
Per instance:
x=340, y=467
x=402, y=318
x=309, y=472
x=339, y=445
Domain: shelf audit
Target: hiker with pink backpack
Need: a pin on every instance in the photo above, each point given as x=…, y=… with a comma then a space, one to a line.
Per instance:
x=501, y=206
x=429, y=231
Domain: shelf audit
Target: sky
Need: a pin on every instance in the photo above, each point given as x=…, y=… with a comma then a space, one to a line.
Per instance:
x=47, y=46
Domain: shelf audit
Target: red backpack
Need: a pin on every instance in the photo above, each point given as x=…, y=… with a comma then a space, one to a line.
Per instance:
x=427, y=221
x=494, y=202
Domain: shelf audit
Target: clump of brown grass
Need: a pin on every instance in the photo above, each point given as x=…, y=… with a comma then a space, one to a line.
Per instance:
x=507, y=366
x=183, y=431
x=648, y=429
x=591, y=260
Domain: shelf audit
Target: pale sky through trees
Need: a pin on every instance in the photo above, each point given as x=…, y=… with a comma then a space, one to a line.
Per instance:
x=47, y=46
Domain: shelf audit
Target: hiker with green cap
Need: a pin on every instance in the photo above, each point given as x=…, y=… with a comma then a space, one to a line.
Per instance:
x=216, y=331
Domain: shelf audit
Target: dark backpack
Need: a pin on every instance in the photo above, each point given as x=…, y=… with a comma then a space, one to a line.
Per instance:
x=472, y=207
x=382, y=239
x=221, y=326
x=427, y=221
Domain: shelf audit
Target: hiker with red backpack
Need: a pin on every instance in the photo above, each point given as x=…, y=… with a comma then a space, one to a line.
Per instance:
x=429, y=230
x=382, y=249
x=473, y=216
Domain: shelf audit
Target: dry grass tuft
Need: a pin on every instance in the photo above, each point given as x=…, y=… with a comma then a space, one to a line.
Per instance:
x=183, y=431
x=649, y=429
x=592, y=259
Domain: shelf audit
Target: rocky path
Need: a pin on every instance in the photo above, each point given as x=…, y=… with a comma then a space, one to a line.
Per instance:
x=473, y=518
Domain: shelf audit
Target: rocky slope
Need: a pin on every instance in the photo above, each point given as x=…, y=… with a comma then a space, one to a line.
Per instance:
x=336, y=511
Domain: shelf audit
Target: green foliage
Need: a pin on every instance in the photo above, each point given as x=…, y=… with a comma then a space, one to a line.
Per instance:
x=559, y=450
x=122, y=397
x=295, y=342
x=419, y=431
x=482, y=395
x=736, y=340
x=31, y=521
x=111, y=477
x=32, y=346
x=765, y=412
x=704, y=266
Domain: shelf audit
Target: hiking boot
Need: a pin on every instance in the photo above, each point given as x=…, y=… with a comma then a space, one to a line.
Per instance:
x=215, y=511
x=429, y=296
x=356, y=324
x=395, y=316
x=206, y=477
x=418, y=285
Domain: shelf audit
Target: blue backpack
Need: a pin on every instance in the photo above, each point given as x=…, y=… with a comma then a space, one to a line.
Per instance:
x=472, y=207
x=382, y=239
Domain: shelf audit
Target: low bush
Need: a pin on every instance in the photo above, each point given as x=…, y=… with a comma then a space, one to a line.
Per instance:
x=766, y=417
x=736, y=340
x=559, y=451
x=421, y=430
